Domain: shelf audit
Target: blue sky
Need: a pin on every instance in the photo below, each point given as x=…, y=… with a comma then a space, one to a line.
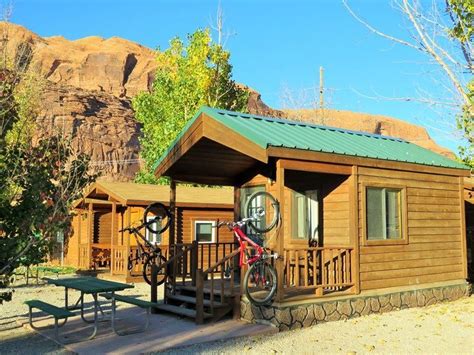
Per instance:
x=276, y=45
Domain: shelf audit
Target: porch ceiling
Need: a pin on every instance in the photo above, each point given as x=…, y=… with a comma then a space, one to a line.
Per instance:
x=209, y=162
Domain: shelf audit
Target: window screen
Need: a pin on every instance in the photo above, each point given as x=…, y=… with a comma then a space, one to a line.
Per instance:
x=204, y=231
x=383, y=213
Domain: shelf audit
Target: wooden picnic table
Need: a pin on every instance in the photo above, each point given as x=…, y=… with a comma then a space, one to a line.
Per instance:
x=90, y=286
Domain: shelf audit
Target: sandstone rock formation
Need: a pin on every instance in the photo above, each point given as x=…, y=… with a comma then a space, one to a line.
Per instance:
x=91, y=83
x=101, y=125
x=114, y=66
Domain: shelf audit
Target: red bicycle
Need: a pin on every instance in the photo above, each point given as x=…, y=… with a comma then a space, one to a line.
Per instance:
x=260, y=280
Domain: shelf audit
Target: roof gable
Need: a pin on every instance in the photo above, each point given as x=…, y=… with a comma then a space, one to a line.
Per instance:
x=273, y=132
x=127, y=192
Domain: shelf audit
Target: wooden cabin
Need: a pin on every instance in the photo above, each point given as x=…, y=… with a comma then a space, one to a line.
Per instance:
x=369, y=223
x=97, y=243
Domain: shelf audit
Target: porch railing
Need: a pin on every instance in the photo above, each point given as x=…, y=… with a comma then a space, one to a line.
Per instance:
x=217, y=285
x=210, y=253
x=324, y=269
x=120, y=260
x=84, y=256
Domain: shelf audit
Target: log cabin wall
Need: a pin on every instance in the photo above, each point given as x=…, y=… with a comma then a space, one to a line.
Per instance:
x=186, y=218
x=433, y=227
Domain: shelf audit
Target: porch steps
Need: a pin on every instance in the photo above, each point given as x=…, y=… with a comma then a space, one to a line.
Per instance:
x=207, y=291
x=183, y=302
x=181, y=311
x=192, y=300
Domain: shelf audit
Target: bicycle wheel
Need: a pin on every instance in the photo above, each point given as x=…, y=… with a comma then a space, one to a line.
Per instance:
x=158, y=260
x=260, y=283
x=266, y=208
x=157, y=218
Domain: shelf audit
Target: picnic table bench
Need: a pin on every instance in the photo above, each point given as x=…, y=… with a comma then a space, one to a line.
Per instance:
x=56, y=312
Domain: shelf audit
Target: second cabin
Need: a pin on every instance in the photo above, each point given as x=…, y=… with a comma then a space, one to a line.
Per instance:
x=96, y=242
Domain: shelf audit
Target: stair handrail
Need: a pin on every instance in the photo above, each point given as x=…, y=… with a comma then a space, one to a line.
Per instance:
x=221, y=261
x=200, y=276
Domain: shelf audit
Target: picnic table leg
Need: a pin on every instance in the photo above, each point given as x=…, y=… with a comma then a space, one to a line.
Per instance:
x=113, y=311
x=66, y=299
x=96, y=316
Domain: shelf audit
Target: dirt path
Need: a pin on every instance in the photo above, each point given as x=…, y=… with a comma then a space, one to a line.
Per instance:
x=441, y=329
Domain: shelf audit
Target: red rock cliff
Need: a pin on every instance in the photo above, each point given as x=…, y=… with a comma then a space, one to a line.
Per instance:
x=91, y=82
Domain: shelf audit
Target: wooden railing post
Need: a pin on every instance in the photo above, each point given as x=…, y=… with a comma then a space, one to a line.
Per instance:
x=194, y=262
x=199, y=297
x=280, y=245
x=354, y=228
x=113, y=235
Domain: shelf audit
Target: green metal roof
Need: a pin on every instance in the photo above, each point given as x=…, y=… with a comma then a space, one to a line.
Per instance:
x=273, y=132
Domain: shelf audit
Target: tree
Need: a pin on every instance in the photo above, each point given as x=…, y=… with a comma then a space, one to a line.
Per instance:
x=187, y=77
x=445, y=37
x=38, y=180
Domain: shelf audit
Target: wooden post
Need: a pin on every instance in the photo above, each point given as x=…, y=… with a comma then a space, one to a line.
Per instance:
x=199, y=297
x=154, y=287
x=463, y=228
x=239, y=271
x=354, y=227
x=194, y=262
x=90, y=234
x=79, y=238
x=127, y=243
x=113, y=235
x=280, y=245
x=171, y=235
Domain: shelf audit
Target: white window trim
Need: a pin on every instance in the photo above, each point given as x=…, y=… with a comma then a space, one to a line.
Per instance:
x=213, y=231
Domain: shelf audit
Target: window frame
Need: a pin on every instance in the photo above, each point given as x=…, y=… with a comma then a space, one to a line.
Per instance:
x=213, y=229
x=253, y=187
x=403, y=215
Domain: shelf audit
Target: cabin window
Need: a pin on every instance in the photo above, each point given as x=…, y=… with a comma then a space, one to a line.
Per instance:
x=305, y=216
x=205, y=231
x=384, y=213
x=245, y=194
x=154, y=238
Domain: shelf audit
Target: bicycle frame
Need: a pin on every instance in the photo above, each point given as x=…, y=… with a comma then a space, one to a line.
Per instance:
x=243, y=240
x=141, y=249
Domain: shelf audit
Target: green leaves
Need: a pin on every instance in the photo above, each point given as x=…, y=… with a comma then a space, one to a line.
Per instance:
x=188, y=76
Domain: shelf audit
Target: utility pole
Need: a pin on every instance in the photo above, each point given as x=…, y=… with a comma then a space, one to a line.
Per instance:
x=321, y=93
x=321, y=88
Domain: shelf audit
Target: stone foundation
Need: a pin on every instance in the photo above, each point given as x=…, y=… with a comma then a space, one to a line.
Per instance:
x=311, y=312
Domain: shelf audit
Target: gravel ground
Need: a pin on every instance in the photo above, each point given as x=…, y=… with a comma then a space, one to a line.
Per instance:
x=438, y=329
x=446, y=328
